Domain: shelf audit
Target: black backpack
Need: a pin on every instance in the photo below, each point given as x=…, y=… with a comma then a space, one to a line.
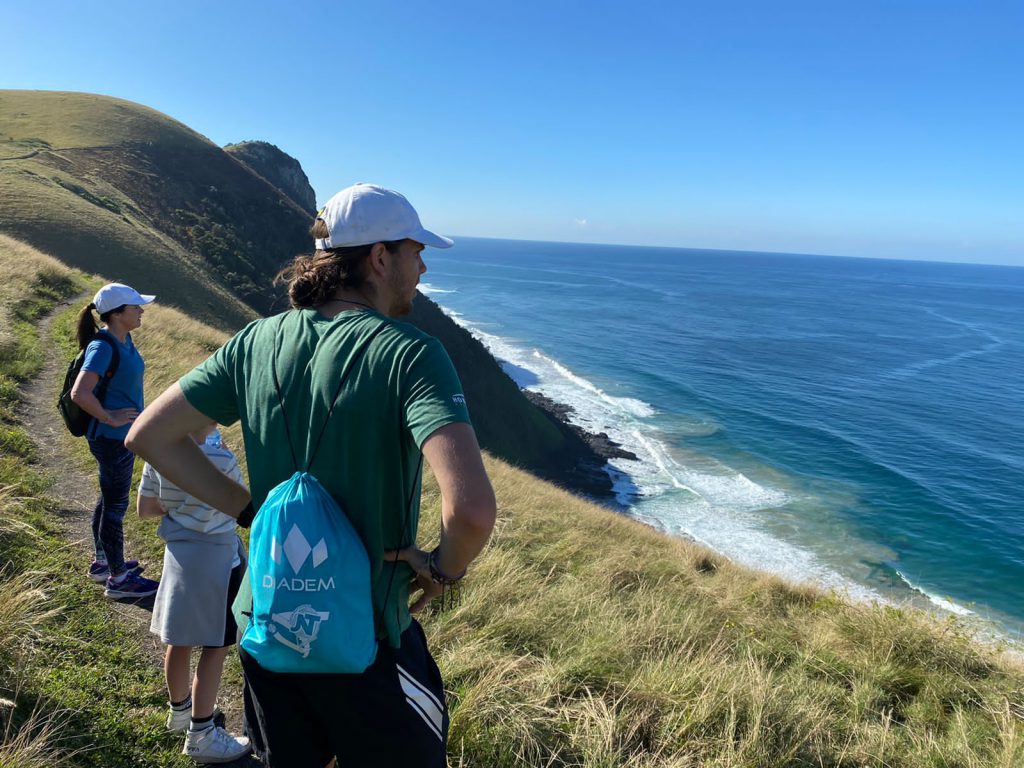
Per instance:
x=75, y=419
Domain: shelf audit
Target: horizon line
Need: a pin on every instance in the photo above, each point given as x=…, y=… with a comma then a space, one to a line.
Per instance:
x=456, y=238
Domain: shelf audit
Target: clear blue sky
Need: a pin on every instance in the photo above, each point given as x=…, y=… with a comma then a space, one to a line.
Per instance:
x=891, y=129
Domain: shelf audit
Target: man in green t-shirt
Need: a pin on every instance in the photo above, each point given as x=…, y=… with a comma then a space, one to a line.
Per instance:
x=400, y=398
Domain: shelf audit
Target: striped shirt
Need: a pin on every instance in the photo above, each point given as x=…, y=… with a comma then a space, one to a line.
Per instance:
x=188, y=511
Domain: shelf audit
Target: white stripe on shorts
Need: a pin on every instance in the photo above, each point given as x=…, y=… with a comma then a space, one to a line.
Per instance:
x=422, y=700
x=419, y=711
x=403, y=672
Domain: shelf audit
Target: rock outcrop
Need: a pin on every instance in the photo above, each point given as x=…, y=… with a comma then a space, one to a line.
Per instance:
x=279, y=168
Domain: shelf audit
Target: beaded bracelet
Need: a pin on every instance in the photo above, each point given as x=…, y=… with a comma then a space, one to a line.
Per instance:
x=437, y=575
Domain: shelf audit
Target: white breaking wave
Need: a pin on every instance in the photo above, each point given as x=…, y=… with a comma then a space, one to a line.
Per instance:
x=742, y=539
x=629, y=405
x=942, y=602
x=626, y=421
x=428, y=290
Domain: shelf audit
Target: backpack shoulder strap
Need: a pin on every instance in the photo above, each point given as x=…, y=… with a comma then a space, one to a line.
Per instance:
x=341, y=383
x=344, y=376
x=115, y=353
x=115, y=361
x=105, y=379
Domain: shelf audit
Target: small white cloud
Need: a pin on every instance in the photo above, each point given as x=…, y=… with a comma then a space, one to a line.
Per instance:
x=581, y=223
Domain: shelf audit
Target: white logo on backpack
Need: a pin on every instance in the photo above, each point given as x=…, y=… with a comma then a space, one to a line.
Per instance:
x=296, y=549
x=304, y=625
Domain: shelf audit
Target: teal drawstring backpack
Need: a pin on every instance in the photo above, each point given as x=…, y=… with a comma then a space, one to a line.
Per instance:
x=312, y=607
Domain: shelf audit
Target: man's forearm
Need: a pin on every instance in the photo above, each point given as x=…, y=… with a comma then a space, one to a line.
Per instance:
x=468, y=508
x=464, y=533
x=184, y=464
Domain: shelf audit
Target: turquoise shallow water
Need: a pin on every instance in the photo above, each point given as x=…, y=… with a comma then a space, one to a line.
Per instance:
x=854, y=422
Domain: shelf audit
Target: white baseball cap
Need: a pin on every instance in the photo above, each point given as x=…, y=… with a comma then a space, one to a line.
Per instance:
x=364, y=214
x=114, y=295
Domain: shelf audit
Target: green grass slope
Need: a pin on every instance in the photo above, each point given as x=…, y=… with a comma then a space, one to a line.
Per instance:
x=114, y=187
x=582, y=638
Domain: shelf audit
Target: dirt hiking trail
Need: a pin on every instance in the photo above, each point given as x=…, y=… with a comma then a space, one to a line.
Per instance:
x=75, y=491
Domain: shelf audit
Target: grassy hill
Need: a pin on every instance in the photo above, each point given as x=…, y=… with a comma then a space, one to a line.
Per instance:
x=114, y=187
x=582, y=639
x=119, y=189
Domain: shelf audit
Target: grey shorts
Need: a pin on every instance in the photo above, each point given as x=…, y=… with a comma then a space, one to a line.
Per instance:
x=197, y=587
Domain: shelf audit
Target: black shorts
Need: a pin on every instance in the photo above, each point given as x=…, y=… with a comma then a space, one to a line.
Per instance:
x=230, y=628
x=393, y=714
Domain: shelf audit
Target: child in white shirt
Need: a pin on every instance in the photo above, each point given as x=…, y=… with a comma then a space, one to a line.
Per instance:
x=204, y=562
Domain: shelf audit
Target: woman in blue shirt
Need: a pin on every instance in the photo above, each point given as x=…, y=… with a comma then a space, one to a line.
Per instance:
x=120, y=309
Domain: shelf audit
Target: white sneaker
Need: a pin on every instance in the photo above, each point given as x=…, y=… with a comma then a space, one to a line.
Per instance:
x=180, y=719
x=215, y=745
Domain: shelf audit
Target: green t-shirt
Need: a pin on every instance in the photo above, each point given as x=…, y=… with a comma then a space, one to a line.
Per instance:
x=398, y=393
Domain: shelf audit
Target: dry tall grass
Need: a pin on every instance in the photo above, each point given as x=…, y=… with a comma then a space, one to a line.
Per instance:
x=587, y=639
x=32, y=743
x=32, y=740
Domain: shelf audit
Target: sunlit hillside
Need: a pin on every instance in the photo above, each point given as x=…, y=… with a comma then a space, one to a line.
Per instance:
x=114, y=187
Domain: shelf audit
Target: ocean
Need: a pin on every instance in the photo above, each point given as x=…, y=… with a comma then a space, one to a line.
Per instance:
x=854, y=423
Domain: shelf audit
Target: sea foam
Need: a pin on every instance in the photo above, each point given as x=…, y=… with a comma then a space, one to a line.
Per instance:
x=429, y=290
x=941, y=602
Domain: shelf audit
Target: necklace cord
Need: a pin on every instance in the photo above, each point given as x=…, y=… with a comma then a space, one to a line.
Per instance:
x=352, y=301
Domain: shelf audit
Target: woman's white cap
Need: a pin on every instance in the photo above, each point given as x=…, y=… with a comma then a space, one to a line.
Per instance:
x=364, y=214
x=114, y=295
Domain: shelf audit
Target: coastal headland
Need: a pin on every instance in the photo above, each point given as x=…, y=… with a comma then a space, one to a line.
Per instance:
x=582, y=637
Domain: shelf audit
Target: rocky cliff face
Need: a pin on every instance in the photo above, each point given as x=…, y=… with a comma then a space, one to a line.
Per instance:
x=532, y=434
x=279, y=168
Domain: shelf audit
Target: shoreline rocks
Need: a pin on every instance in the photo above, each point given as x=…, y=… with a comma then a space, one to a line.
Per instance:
x=599, y=442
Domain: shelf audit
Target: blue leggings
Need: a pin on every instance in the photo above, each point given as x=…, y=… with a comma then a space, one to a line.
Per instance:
x=116, y=465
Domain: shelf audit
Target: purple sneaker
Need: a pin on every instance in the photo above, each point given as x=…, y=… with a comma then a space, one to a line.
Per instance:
x=132, y=585
x=98, y=571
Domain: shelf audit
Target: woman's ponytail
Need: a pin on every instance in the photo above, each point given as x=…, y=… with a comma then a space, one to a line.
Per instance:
x=87, y=326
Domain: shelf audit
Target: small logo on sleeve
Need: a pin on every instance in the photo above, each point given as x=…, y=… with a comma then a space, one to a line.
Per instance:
x=459, y=399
